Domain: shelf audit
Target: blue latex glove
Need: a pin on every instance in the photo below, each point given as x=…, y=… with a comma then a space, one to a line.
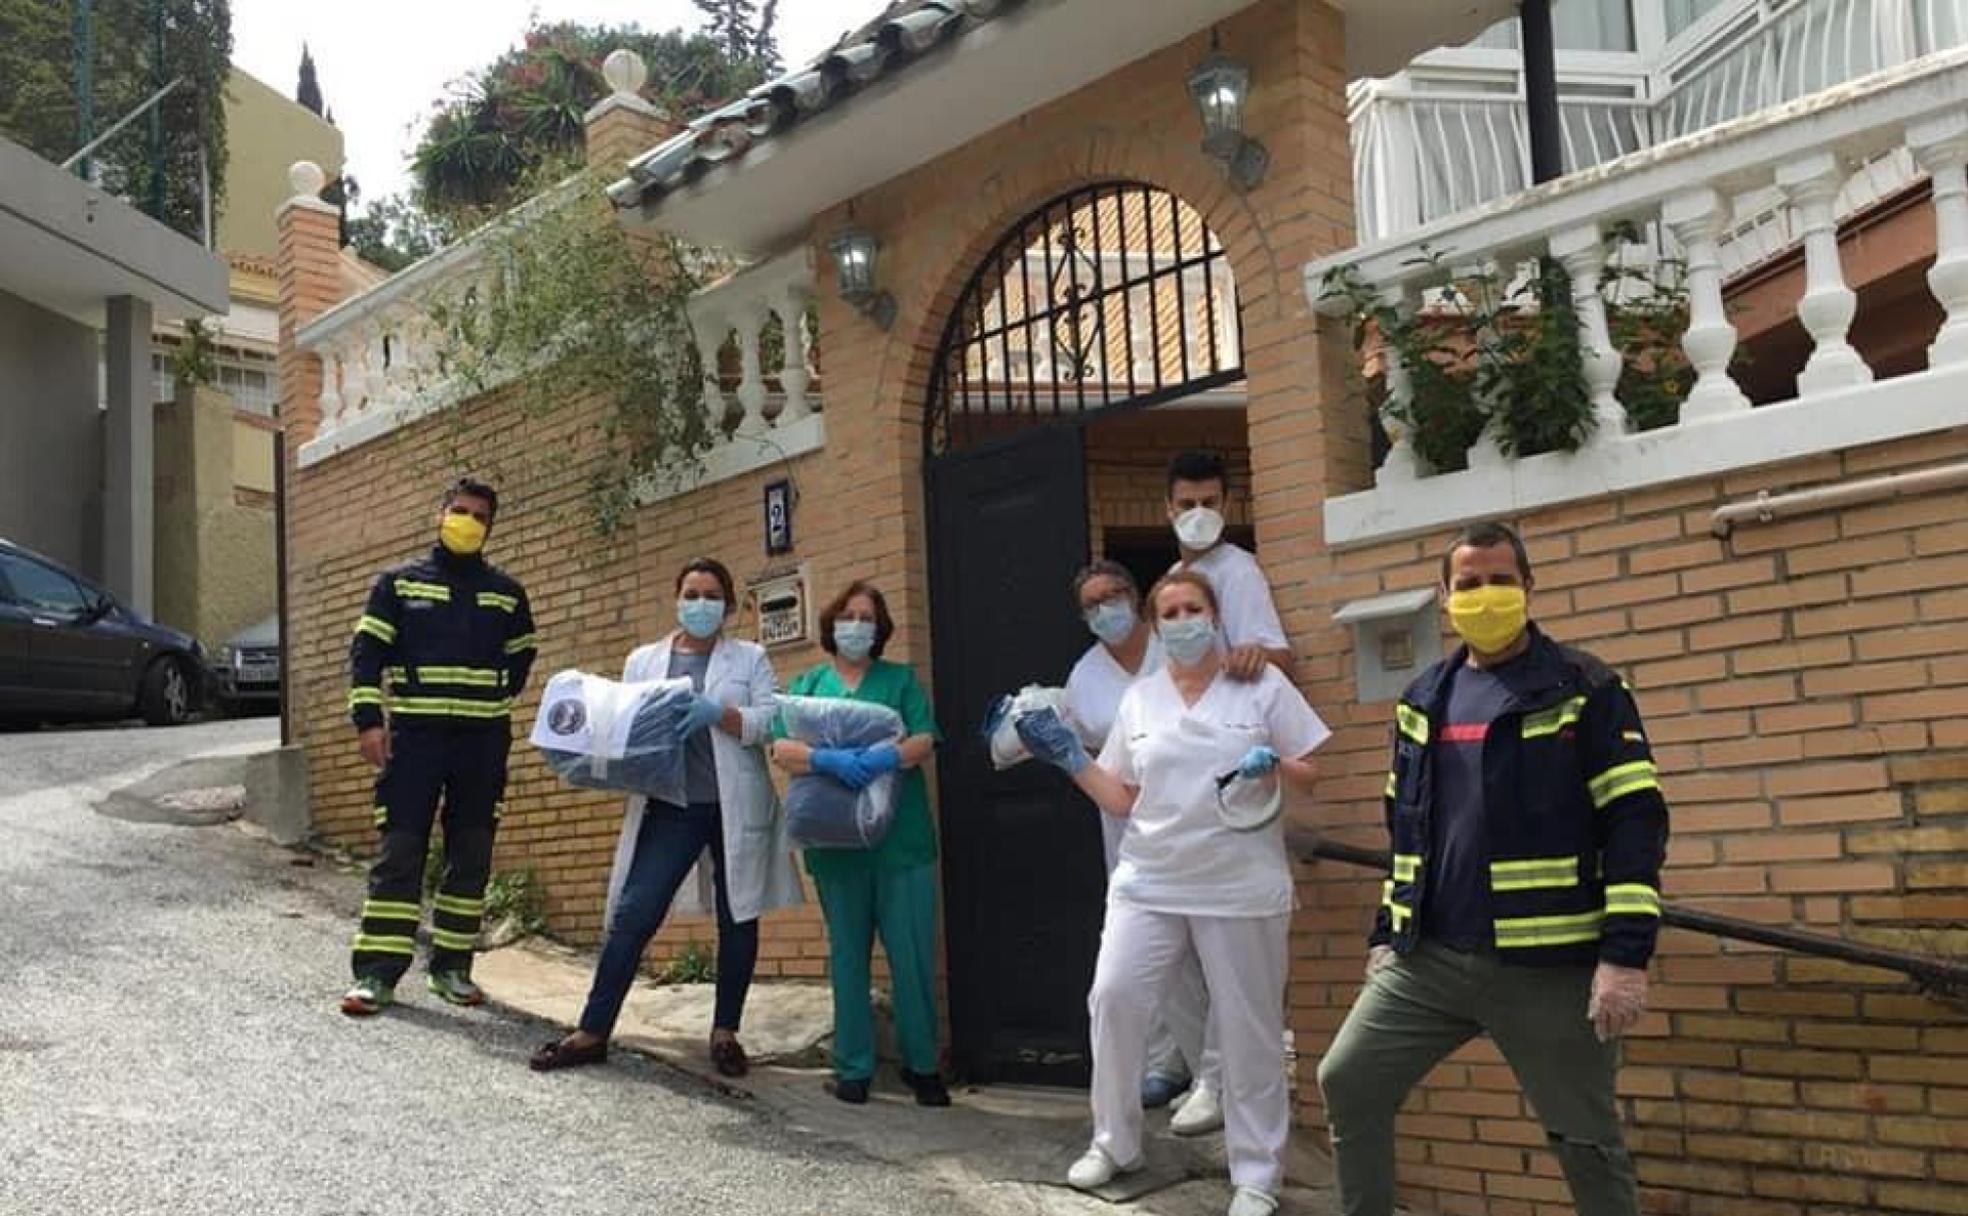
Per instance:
x=1051, y=740
x=1257, y=761
x=879, y=760
x=702, y=712
x=841, y=764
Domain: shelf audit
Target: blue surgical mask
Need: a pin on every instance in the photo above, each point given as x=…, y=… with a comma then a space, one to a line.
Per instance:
x=700, y=618
x=1112, y=621
x=855, y=640
x=1187, y=639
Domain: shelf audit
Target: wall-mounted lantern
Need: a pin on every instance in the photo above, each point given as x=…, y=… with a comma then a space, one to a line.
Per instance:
x=1220, y=87
x=855, y=251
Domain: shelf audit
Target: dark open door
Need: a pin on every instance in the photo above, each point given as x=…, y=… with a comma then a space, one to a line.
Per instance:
x=1022, y=871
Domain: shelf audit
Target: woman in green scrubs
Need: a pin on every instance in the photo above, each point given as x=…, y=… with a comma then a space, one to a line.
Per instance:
x=890, y=888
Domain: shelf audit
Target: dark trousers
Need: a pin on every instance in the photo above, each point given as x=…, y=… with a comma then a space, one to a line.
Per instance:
x=670, y=842
x=462, y=767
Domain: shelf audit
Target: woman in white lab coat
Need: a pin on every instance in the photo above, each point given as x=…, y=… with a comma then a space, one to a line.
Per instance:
x=730, y=817
x=1187, y=880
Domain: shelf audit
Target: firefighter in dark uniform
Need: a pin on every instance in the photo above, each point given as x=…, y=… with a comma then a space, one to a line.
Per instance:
x=444, y=646
x=1529, y=831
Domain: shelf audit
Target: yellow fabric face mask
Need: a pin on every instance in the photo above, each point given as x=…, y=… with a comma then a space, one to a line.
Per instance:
x=462, y=534
x=1488, y=618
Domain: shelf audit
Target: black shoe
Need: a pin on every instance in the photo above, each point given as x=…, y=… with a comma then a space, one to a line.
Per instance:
x=929, y=1088
x=854, y=1093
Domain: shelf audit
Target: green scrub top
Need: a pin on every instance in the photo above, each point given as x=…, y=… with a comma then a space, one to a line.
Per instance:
x=911, y=840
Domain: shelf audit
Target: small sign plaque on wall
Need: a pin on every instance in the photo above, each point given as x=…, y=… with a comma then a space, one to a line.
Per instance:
x=778, y=518
x=780, y=604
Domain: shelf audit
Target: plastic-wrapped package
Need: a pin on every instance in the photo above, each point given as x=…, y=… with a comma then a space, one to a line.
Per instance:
x=821, y=813
x=603, y=734
x=1000, y=725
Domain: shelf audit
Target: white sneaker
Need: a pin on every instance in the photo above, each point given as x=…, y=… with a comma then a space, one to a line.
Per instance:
x=1200, y=1113
x=1247, y=1202
x=1096, y=1169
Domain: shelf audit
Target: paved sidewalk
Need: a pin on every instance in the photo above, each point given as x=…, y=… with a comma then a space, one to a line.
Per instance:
x=1006, y=1147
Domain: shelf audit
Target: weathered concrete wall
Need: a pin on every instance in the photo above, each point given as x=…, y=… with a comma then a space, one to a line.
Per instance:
x=50, y=435
x=215, y=550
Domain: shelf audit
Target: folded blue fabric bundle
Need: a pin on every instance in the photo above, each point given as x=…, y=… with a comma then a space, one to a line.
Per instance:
x=821, y=813
x=602, y=734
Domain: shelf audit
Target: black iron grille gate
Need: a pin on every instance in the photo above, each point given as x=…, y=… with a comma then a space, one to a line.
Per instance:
x=1115, y=295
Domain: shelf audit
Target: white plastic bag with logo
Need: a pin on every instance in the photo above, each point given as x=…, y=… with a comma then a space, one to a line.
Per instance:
x=603, y=734
x=1001, y=724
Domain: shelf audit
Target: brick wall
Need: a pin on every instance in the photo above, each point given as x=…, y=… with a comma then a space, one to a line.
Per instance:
x=1805, y=684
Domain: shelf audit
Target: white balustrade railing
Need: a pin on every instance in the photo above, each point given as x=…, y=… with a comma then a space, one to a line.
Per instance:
x=1438, y=140
x=738, y=310
x=1805, y=152
x=379, y=373
x=377, y=352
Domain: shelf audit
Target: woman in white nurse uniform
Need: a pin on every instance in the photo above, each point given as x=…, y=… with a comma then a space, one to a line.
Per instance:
x=1187, y=880
x=1126, y=649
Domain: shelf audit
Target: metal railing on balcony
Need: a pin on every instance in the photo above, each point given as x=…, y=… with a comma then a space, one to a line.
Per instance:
x=1436, y=141
x=1805, y=152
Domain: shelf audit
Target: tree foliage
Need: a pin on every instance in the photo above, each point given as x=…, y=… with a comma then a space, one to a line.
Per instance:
x=393, y=232
x=501, y=124
x=39, y=106
x=308, y=91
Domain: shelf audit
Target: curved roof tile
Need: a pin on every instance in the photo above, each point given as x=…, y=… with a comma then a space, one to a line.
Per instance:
x=883, y=47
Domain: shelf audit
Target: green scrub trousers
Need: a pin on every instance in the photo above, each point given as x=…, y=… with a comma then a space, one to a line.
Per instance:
x=901, y=904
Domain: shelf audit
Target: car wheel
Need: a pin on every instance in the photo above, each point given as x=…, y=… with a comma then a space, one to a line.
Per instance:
x=166, y=698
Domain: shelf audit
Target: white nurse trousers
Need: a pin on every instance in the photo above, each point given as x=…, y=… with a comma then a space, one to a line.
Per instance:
x=1179, y=1045
x=1243, y=962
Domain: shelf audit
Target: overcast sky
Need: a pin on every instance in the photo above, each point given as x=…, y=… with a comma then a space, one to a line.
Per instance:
x=382, y=63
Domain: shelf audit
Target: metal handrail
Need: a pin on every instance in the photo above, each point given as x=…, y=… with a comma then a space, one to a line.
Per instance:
x=1940, y=977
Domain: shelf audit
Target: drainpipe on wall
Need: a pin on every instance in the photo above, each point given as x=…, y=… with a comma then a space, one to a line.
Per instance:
x=1541, y=92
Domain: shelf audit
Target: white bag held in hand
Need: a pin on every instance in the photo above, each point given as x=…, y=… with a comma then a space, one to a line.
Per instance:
x=1001, y=724
x=821, y=813
x=603, y=734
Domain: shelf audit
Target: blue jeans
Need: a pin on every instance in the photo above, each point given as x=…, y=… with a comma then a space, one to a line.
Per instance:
x=670, y=842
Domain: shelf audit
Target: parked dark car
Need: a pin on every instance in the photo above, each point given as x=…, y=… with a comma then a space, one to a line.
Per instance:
x=246, y=669
x=70, y=652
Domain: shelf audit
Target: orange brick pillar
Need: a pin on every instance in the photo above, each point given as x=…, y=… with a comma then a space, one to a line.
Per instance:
x=309, y=261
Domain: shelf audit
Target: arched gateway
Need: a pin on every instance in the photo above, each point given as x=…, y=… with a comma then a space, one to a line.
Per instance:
x=1105, y=302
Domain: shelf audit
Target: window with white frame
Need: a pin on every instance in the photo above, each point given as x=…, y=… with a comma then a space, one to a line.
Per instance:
x=1576, y=25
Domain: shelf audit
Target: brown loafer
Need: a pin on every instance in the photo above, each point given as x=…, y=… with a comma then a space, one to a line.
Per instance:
x=729, y=1058
x=558, y=1054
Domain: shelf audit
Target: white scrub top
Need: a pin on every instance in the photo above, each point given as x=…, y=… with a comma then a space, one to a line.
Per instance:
x=1243, y=597
x=1093, y=690
x=1176, y=856
x=1093, y=697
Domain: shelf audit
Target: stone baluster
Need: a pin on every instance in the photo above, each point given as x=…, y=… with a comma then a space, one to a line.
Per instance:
x=711, y=332
x=1696, y=219
x=1940, y=146
x=795, y=366
x=1487, y=452
x=750, y=325
x=332, y=401
x=1403, y=463
x=1811, y=183
x=1229, y=349
x=1582, y=252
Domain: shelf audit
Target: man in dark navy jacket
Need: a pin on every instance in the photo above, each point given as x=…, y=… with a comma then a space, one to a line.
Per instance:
x=1528, y=830
x=441, y=651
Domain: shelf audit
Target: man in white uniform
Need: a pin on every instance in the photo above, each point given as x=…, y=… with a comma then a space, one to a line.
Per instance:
x=1198, y=490
x=1252, y=637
